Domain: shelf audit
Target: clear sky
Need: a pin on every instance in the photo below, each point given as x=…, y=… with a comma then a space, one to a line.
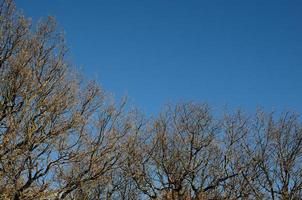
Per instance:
x=243, y=53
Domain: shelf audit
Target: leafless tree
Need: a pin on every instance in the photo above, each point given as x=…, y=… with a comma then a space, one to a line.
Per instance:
x=276, y=147
x=57, y=134
x=183, y=156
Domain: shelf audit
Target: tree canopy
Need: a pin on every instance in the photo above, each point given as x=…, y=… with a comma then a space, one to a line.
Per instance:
x=62, y=137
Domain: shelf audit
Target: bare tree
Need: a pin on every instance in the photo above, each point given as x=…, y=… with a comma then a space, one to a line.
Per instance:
x=276, y=147
x=184, y=157
x=57, y=134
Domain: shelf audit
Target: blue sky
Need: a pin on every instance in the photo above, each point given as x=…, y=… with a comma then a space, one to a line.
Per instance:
x=235, y=53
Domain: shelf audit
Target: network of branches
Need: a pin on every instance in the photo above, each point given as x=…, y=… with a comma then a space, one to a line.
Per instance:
x=62, y=137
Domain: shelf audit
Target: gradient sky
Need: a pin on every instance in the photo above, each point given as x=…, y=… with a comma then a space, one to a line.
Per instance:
x=236, y=53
